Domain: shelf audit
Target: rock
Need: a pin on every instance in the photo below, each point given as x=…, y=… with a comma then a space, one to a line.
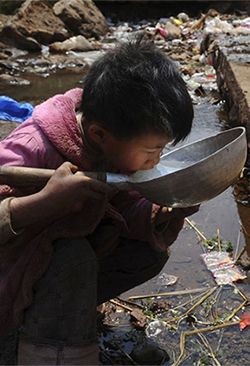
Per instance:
x=10, y=6
x=13, y=80
x=3, y=55
x=77, y=43
x=11, y=35
x=173, y=30
x=183, y=17
x=34, y=24
x=3, y=20
x=81, y=17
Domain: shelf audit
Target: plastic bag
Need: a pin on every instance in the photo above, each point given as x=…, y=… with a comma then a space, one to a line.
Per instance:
x=11, y=110
x=222, y=267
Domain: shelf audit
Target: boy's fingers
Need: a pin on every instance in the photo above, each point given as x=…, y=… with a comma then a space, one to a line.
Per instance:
x=66, y=168
x=166, y=209
x=163, y=215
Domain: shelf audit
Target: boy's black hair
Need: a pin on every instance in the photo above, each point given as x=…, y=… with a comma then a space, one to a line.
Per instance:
x=136, y=89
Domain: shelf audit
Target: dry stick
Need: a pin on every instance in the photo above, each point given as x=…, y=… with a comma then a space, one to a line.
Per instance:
x=237, y=246
x=199, y=302
x=242, y=294
x=121, y=305
x=189, y=301
x=235, y=311
x=130, y=303
x=202, y=236
x=208, y=346
x=217, y=298
x=219, y=241
x=220, y=340
x=196, y=331
x=171, y=293
x=198, y=232
x=240, y=254
x=126, y=307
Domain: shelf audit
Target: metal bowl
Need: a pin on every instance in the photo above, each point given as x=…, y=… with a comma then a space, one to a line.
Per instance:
x=200, y=170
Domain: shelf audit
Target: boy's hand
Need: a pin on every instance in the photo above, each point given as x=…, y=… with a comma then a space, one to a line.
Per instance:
x=165, y=214
x=168, y=223
x=68, y=191
x=65, y=193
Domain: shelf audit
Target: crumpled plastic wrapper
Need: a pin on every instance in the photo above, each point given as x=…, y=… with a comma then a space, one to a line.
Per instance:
x=222, y=267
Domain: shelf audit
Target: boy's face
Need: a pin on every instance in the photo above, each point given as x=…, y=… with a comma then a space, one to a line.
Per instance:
x=129, y=156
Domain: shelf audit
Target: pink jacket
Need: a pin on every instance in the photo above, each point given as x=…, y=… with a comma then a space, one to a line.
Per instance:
x=46, y=140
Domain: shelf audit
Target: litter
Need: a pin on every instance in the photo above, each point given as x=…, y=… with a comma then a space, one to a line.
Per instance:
x=222, y=267
x=11, y=110
x=166, y=280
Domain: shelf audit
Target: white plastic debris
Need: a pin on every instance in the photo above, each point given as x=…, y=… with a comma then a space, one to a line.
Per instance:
x=155, y=328
x=222, y=267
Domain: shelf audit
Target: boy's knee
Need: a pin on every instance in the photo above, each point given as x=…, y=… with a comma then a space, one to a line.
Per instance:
x=64, y=301
x=73, y=256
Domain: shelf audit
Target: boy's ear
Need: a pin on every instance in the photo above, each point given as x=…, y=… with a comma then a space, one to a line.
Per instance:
x=97, y=133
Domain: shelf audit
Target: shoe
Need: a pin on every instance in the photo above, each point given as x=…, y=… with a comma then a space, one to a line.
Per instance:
x=149, y=353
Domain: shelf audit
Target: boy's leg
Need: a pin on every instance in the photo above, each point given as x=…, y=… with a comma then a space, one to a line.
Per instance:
x=60, y=325
x=130, y=264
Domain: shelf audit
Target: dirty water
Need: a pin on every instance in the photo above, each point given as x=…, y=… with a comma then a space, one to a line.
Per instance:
x=185, y=261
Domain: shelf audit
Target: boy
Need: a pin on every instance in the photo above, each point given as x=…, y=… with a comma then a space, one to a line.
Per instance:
x=77, y=243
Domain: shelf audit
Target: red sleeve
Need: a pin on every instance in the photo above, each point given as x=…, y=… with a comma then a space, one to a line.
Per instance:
x=137, y=212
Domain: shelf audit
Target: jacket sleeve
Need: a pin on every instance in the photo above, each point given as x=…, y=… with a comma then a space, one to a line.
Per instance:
x=6, y=231
x=138, y=213
x=20, y=150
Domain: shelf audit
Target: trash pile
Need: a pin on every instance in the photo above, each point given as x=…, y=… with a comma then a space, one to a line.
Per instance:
x=187, y=41
x=180, y=327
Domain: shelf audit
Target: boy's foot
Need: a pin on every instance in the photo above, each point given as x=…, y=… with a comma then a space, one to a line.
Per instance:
x=149, y=353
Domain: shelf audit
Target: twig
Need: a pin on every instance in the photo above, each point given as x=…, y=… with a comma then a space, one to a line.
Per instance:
x=126, y=307
x=217, y=298
x=244, y=297
x=127, y=355
x=130, y=303
x=208, y=346
x=196, y=331
x=240, y=254
x=121, y=305
x=171, y=293
x=218, y=240
x=220, y=340
x=235, y=311
x=199, y=233
x=189, y=301
x=237, y=246
x=199, y=302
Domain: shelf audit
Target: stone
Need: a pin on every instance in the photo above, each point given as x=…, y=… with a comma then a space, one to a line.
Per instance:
x=76, y=43
x=3, y=20
x=81, y=17
x=11, y=35
x=13, y=80
x=34, y=24
x=173, y=30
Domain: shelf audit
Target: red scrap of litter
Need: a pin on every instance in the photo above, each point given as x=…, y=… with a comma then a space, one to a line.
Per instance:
x=162, y=31
x=244, y=320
